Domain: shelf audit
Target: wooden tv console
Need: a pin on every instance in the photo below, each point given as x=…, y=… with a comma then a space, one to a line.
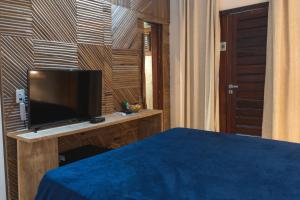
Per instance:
x=39, y=152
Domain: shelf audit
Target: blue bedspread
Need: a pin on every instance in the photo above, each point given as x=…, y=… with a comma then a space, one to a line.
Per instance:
x=182, y=164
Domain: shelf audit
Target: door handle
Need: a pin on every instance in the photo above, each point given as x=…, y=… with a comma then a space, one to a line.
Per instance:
x=232, y=86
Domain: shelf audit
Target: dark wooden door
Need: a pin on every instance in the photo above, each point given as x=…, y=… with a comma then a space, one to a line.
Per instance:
x=242, y=70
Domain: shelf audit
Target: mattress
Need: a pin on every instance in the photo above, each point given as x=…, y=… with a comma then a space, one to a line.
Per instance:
x=182, y=164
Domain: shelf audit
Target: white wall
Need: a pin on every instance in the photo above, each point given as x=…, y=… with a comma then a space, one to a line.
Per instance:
x=2, y=164
x=229, y=4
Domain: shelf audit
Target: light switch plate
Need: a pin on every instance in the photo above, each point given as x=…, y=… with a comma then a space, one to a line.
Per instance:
x=20, y=96
x=223, y=46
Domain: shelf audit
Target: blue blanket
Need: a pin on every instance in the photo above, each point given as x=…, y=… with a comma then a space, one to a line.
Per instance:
x=182, y=164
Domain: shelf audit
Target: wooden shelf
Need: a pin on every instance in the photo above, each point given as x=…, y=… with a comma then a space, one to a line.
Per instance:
x=38, y=152
x=110, y=120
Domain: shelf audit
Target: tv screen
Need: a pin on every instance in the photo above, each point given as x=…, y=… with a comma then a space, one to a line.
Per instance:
x=63, y=95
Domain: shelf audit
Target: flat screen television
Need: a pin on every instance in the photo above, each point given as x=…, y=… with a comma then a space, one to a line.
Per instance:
x=57, y=96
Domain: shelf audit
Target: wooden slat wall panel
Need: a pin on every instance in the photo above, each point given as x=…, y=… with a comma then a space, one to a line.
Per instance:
x=16, y=59
x=11, y=167
x=11, y=122
x=90, y=22
x=54, y=20
x=128, y=73
x=127, y=45
x=43, y=54
x=95, y=57
x=107, y=27
x=108, y=104
x=83, y=34
x=129, y=15
x=123, y=3
x=132, y=74
x=15, y=17
x=142, y=6
x=125, y=57
x=133, y=95
x=11, y=114
x=17, y=55
x=49, y=54
x=126, y=76
x=125, y=33
x=156, y=8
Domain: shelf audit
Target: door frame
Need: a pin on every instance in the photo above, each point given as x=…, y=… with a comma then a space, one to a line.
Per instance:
x=226, y=63
x=157, y=71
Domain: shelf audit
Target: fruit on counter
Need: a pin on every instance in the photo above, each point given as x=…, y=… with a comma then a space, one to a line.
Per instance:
x=135, y=107
x=131, y=108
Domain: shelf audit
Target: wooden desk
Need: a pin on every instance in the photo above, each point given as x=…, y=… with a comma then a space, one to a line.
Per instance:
x=38, y=152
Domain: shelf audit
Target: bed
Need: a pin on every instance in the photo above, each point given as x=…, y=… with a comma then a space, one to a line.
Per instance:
x=182, y=164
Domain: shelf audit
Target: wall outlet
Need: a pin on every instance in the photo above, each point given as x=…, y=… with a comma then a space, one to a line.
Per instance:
x=20, y=96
